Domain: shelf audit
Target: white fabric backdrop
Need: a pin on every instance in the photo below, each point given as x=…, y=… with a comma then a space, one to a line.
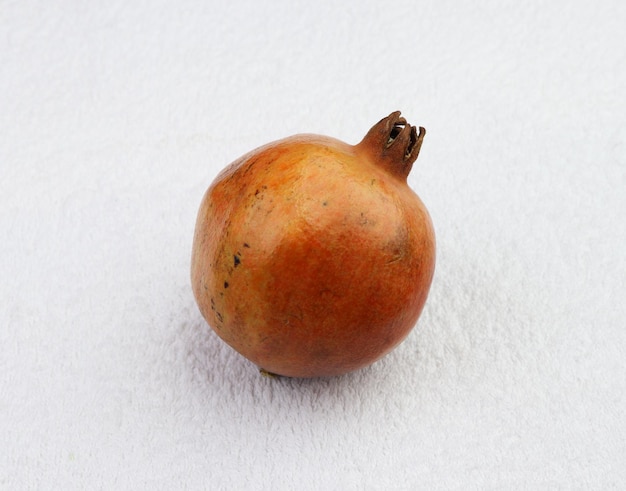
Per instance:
x=115, y=118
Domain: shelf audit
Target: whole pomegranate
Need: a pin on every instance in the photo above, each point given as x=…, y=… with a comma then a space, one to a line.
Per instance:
x=312, y=257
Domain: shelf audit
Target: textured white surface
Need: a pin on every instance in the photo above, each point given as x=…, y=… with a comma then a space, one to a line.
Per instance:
x=113, y=121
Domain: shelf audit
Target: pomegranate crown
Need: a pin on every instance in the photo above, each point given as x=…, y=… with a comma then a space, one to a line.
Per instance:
x=395, y=142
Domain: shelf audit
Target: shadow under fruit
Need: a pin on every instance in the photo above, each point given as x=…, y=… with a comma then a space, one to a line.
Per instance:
x=312, y=257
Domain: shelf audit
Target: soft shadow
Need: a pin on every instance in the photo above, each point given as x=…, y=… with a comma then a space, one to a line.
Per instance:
x=218, y=374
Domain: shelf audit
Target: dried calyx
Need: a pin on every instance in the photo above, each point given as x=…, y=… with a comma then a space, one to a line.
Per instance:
x=395, y=143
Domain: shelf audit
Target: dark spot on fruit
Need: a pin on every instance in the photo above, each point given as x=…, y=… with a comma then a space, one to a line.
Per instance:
x=245, y=244
x=398, y=247
x=237, y=260
x=226, y=284
x=249, y=167
x=325, y=203
x=219, y=317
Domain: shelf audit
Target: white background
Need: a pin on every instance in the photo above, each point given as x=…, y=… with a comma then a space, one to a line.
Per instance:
x=115, y=117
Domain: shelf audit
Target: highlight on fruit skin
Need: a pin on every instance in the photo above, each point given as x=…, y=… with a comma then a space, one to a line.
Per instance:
x=312, y=257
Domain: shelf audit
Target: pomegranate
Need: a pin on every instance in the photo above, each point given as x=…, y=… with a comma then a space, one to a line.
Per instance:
x=312, y=257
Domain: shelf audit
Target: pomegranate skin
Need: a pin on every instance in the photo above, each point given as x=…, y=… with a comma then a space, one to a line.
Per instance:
x=312, y=257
